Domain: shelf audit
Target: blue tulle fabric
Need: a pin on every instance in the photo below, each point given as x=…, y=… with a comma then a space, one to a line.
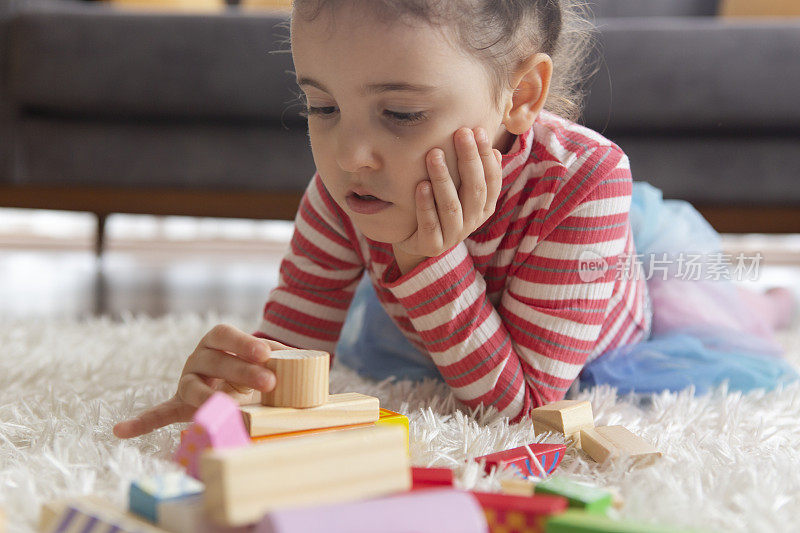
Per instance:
x=702, y=334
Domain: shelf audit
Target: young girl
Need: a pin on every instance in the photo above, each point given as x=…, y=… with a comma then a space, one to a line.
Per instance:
x=488, y=228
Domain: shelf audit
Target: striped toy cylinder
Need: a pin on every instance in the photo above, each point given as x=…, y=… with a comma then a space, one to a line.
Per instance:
x=424, y=511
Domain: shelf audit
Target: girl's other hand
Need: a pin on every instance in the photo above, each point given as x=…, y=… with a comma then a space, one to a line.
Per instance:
x=226, y=359
x=446, y=216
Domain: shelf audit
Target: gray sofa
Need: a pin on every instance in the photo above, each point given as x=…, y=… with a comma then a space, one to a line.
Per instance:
x=109, y=110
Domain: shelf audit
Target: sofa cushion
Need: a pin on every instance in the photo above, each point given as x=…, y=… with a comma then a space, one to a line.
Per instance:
x=94, y=59
x=676, y=73
x=718, y=169
x=171, y=154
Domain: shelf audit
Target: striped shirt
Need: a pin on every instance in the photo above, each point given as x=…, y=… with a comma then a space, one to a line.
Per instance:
x=510, y=315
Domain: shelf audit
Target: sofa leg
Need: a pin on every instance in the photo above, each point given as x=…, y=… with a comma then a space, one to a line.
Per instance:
x=99, y=243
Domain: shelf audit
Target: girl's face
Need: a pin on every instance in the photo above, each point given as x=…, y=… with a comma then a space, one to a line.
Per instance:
x=380, y=96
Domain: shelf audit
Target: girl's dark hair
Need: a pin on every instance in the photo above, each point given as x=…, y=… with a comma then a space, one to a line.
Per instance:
x=501, y=34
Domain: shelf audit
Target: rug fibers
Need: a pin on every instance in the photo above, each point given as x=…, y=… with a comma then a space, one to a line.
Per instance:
x=731, y=460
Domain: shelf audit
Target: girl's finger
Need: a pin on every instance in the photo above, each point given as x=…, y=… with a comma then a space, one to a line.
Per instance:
x=193, y=390
x=472, y=191
x=429, y=231
x=494, y=183
x=170, y=412
x=212, y=363
x=448, y=206
x=227, y=338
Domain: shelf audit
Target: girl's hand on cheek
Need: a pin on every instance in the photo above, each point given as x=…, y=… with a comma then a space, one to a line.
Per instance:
x=446, y=216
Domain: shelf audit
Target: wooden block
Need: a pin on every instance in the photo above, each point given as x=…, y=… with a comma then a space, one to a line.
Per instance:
x=611, y=441
x=91, y=515
x=302, y=378
x=390, y=418
x=217, y=424
x=430, y=511
x=147, y=494
x=761, y=8
x=579, y=495
x=385, y=417
x=517, y=487
x=575, y=521
x=292, y=434
x=520, y=514
x=188, y=515
x=566, y=416
x=340, y=410
x=519, y=459
x=426, y=478
x=245, y=483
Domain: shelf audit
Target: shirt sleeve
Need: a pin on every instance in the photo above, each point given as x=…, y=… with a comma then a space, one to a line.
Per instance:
x=318, y=276
x=529, y=349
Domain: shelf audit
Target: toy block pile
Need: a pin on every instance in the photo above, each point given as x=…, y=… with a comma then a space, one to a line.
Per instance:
x=305, y=461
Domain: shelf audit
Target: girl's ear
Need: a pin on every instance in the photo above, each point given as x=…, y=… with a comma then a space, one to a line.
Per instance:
x=531, y=83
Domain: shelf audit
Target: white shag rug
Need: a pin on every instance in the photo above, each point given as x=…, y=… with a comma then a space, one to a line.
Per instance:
x=732, y=461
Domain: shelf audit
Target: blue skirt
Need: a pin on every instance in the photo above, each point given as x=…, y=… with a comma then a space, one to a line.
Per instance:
x=702, y=346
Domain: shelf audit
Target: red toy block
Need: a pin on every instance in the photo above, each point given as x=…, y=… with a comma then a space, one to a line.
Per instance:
x=217, y=424
x=519, y=514
x=519, y=459
x=430, y=478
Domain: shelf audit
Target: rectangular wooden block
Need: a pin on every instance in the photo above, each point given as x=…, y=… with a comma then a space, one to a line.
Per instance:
x=517, y=487
x=245, y=483
x=566, y=416
x=386, y=417
x=341, y=410
x=390, y=418
x=611, y=441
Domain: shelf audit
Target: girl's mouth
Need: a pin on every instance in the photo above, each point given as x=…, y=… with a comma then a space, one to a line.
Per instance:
x=366, y=204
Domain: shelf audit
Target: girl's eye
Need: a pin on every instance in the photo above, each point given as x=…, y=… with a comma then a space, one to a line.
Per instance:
x=320, y=111
x=406, y=119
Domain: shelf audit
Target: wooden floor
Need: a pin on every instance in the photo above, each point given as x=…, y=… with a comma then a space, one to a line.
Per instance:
x=47, y=277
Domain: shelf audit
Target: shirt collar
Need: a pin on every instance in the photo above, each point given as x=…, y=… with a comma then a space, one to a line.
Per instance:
x=517, y=156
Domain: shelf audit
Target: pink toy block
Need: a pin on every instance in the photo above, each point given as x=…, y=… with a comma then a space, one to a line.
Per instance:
x=424, y=511
x=217, y=424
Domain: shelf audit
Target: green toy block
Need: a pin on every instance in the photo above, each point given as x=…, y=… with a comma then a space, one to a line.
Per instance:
x=574, y=521
x=580, y=496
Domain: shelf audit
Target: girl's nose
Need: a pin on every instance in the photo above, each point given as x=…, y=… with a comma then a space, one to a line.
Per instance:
x=356, y=153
